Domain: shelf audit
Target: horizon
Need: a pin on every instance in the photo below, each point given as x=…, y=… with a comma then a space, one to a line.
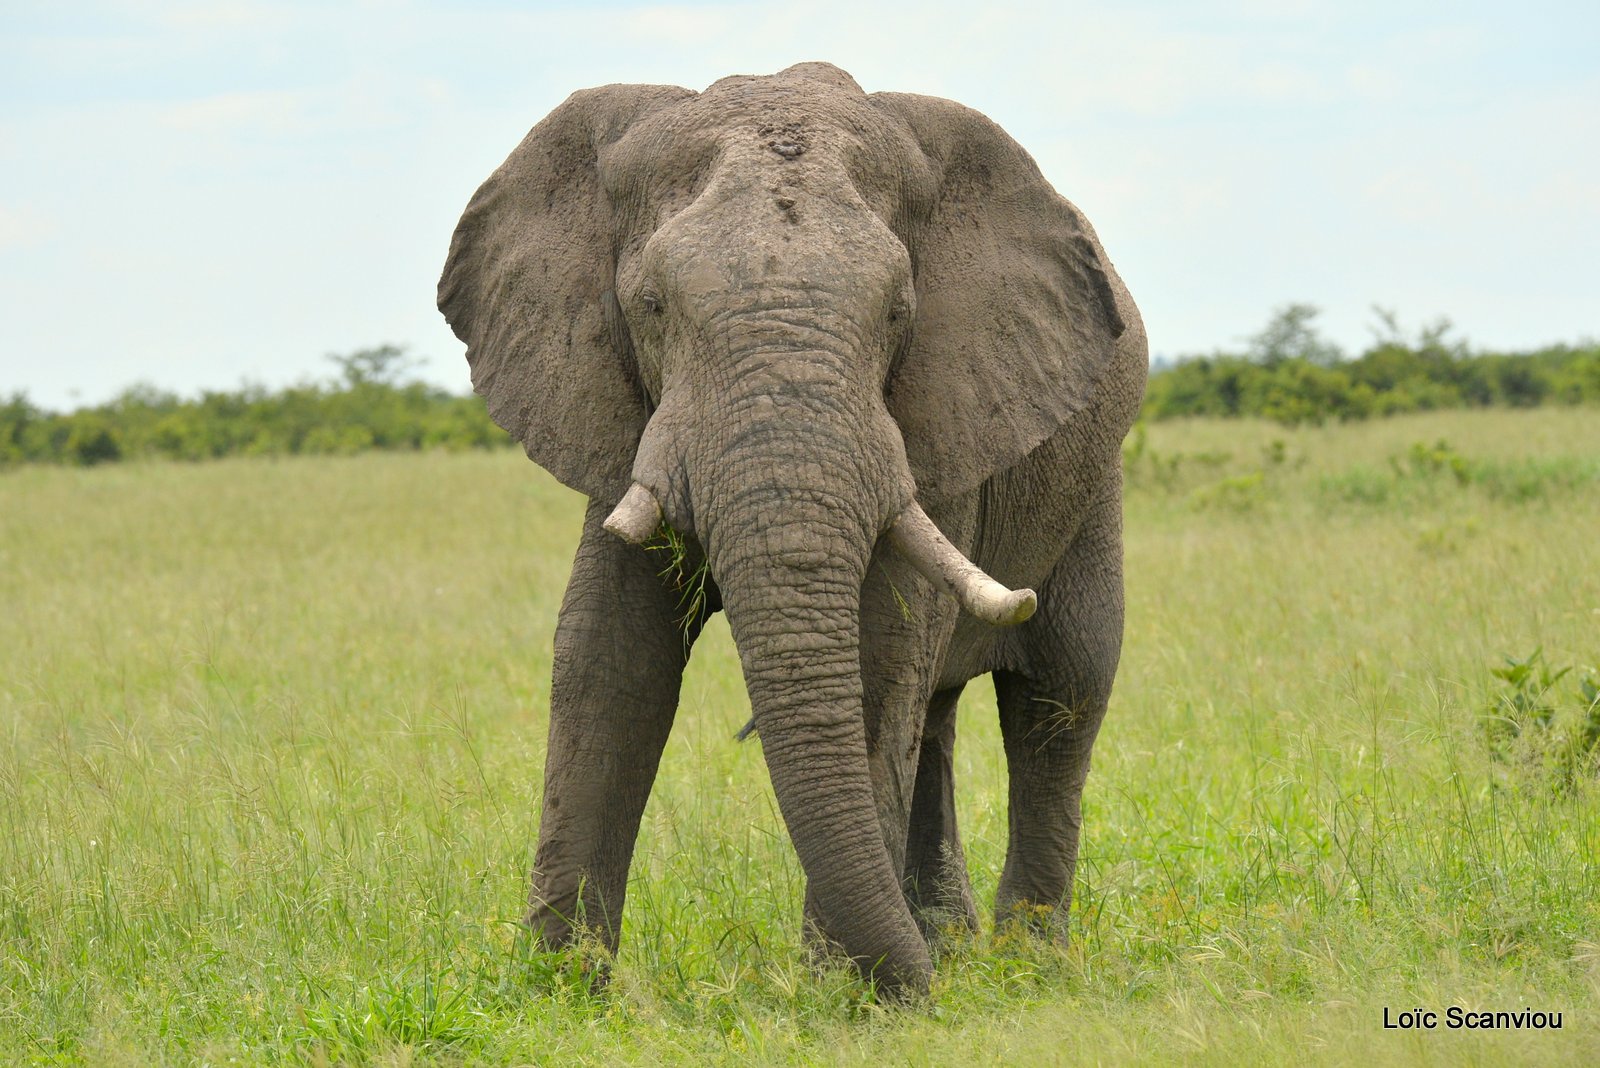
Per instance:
x=410, y=369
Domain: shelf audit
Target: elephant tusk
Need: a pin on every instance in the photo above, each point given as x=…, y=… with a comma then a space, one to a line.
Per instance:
x=942, y=564
x=637, y=516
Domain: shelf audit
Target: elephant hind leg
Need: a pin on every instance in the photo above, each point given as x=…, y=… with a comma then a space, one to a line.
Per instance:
x=1051, y=709
x=936, y=882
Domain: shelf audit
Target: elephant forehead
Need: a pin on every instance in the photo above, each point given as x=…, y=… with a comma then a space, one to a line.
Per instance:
x=779, y=130
x=794, y=243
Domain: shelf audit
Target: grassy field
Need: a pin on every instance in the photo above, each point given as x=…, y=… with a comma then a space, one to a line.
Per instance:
x=271, y=736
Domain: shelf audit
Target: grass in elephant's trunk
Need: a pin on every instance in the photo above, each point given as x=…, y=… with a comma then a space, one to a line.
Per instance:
x=679, y=570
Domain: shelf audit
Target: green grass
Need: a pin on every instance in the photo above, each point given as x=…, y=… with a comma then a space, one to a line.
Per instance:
x=271, y=736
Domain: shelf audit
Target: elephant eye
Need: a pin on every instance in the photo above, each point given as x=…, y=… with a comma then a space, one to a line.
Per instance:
x=650, y=302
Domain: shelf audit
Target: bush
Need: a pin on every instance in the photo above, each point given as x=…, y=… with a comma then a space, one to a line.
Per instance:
x=91, y=439
x=1423, y=471
x=1291, y=375
x=365, y=407
x=1548, y=734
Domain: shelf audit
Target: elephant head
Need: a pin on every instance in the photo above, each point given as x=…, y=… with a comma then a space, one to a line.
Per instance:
x=774, y=314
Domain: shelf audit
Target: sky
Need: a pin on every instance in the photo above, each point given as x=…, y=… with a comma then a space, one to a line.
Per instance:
x=195, y=195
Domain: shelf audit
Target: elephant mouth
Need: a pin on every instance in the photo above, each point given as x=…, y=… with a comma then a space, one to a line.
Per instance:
x=913, y=535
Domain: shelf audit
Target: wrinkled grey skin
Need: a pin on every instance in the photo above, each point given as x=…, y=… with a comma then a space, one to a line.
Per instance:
x=785, y=307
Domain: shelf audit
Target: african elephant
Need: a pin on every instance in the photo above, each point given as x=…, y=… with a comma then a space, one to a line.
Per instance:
x=857, y=351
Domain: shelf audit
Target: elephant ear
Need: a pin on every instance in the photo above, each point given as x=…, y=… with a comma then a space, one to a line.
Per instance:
x=1017, y=318
x=529, y=286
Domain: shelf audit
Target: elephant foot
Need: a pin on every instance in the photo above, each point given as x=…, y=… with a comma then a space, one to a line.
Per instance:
x=581, y=966
x=563, y=953
x=939, y=894
x=1032, y=919
x=940, y=898
x=944, y=924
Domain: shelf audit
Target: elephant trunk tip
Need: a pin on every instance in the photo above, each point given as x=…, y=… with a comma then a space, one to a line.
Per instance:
x=636, y=517
x=942, y=564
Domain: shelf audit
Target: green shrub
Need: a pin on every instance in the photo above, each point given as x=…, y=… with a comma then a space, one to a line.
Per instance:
x=91, y=439
x=1542, y=730
x=1289, y=374
x=1425, y=471
x=365, y=407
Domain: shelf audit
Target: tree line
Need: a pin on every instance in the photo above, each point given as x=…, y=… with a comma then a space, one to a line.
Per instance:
x=1288, y=372
x=368, y=405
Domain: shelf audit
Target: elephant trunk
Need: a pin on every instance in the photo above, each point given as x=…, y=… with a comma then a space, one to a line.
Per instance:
x=792, y=592
x=789, y=478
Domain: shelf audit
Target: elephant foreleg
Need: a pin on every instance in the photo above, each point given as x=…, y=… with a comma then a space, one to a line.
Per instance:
x=1050, y=713
x=620, y=650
